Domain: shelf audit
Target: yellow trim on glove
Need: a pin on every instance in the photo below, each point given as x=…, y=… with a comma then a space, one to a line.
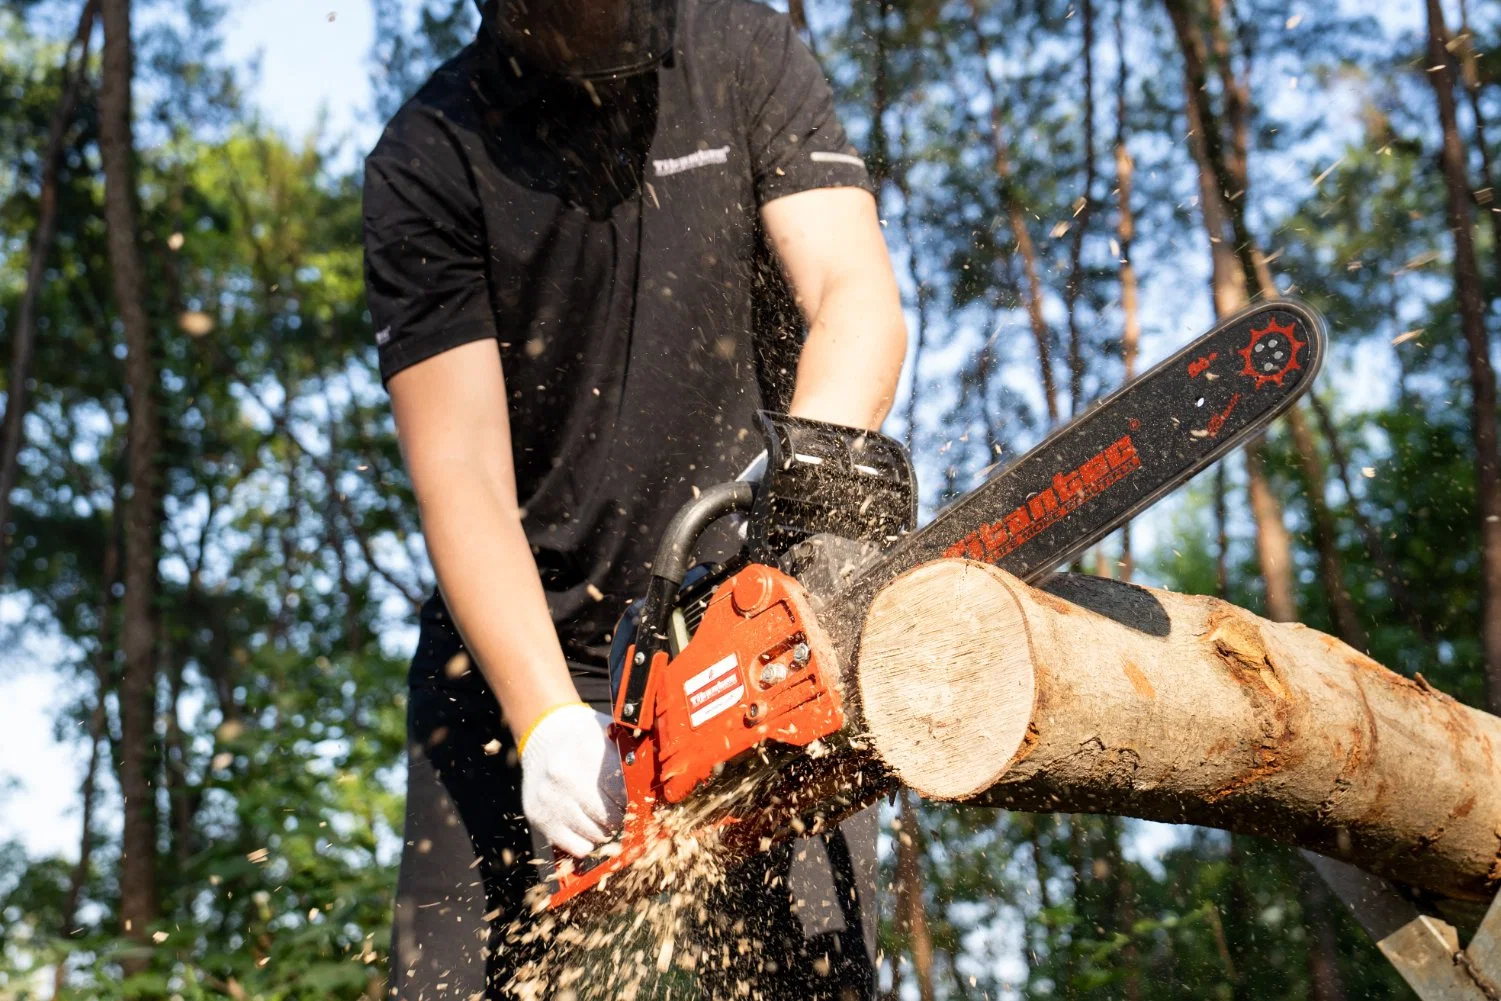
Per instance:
x=521, y=744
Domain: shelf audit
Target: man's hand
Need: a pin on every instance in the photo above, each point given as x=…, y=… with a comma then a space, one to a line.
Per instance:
x=830, y=244
x=572, y=790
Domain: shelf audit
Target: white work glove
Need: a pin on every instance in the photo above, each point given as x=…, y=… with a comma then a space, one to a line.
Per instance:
x=572, y=790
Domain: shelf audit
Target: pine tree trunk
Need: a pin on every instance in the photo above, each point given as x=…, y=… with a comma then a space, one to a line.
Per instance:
x=1017, y=219
x=1273, y=546
x=1125, y=231
x=1239, y=270
x=920, y=349
x=98, y=718
x=880, y=101
x=1219, y=187
x=138, y=891
x=1227, y=278
x=1221, y=536
x=23, y=337
x=1347, y=624
x=912, y=916
x=798, y=13
x=1323, y=947
x=1470, y=73
x=1468, y=293
x=1084, y=210
x=1369, y=534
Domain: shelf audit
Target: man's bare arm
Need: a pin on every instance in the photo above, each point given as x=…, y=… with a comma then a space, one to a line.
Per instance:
x=456, y=439
x=831, y=246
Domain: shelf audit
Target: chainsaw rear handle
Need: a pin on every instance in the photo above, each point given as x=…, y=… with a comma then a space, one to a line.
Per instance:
x=674, y=557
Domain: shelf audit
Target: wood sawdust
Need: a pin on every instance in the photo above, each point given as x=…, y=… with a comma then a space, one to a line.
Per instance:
x=652, y=930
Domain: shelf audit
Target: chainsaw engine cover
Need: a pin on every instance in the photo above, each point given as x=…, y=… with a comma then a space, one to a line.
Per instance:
x=759, y=669
x=759, y=672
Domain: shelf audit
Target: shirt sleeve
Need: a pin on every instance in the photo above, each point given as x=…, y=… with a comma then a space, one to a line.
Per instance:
x=425, y=274
x=796, y=140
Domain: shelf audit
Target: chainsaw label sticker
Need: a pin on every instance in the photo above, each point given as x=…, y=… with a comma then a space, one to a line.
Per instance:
x=1068, y=492
x=713, y=690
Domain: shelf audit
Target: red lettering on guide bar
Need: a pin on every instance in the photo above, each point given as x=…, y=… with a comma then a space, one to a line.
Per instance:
x=1066, y=494
x=1217, y=422
x=1199, y=367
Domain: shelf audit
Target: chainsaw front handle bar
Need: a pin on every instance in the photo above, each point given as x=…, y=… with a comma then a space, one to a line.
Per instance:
x=674, y=557
x=675, y=554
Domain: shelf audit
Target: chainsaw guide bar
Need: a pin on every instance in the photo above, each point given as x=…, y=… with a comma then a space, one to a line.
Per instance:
x=1127, y=451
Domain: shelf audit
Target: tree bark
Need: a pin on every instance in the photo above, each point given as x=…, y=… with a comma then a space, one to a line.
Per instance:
x=1082, y=213
x=1183, y=709
x=912, y=915
x=1273, y=546
x=1469, y=70
x=1323, y=947
x=1219, y=187
x=1125, y=231
x=1227, y=277
x=1468, y=292
x=1239, y=270
x=920, y=349
x=138, y=892
x=880, y=100
x=1221, y=536
x=1224, y=158
x=98, y=718
x=1017, y=219
x=1347, y=624
x=23, y=337
x=1369, y=534
x=798, y=14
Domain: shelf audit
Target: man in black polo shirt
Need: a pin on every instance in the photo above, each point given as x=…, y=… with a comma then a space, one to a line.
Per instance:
x=592, y=242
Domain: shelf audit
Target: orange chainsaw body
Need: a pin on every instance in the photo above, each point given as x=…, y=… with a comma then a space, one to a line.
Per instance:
x=759, y=669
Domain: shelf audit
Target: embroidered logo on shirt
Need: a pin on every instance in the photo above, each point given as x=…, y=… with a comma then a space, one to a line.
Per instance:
x=382, y=336
x=703, y=158
x=821, y=157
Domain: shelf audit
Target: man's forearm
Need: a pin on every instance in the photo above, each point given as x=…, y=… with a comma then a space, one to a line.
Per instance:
x=490, y=583
x=852, y=360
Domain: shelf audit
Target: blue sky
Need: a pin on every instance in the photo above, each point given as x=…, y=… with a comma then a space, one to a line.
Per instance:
x=313, y=59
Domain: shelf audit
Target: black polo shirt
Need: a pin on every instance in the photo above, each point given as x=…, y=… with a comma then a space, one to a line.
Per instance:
x=608, y=242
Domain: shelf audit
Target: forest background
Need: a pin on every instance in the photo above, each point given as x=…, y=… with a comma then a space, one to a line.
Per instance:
x=208, y=546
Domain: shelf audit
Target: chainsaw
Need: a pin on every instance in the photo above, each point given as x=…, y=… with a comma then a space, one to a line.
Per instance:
x=719, y=667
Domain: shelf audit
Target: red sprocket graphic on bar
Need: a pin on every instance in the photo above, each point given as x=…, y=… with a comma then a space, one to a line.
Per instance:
x=1272, y=353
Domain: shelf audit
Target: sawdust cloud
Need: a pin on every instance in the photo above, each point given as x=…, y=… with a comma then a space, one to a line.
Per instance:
x=653, y=931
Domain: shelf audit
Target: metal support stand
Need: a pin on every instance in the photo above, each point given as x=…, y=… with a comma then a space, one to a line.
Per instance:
x=1424, y=948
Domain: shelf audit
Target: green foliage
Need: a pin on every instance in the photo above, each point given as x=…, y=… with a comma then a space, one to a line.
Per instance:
x=281, y=712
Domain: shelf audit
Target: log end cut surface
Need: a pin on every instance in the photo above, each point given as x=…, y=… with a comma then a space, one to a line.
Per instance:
x=967, y=642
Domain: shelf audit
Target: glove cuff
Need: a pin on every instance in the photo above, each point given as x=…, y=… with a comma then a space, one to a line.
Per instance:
x=521, y=744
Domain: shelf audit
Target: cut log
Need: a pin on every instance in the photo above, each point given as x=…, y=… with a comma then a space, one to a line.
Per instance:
x=1098, y=696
